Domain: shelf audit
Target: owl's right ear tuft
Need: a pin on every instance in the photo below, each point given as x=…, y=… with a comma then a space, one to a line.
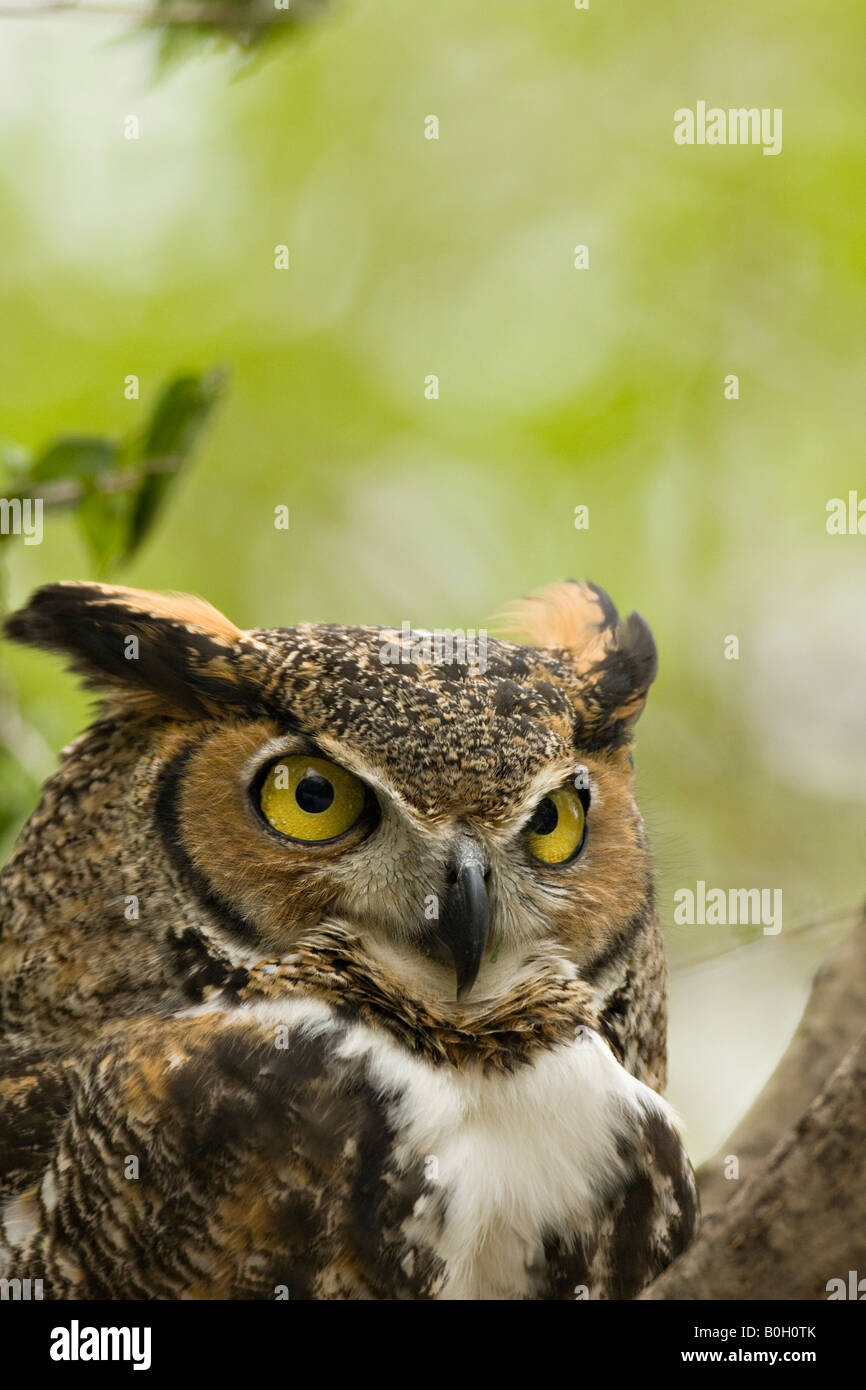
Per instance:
x=613, y=658
x=141, y=649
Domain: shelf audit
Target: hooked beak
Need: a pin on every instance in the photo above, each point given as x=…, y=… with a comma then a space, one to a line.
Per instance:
x=465, y=916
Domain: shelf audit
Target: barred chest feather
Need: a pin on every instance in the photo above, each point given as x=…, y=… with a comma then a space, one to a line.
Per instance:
x=288, y=1149
x=565, y=1178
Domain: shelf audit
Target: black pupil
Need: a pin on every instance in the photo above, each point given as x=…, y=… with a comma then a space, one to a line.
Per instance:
x=314, y=793
x=545, y=818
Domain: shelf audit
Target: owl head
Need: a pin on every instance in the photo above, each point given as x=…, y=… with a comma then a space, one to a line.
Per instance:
x=465, y=818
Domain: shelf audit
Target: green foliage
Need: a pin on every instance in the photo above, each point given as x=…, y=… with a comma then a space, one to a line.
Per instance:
x=181, y=414
x=188, y=26
x=116, y=489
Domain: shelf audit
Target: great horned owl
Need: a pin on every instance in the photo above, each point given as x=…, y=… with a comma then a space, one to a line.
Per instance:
x=332, y=971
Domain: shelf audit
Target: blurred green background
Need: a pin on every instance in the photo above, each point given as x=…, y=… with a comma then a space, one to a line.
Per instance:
x=557, y=387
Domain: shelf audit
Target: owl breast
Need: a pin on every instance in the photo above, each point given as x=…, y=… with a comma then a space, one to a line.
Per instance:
x=305, y=1153
x=523, y=1178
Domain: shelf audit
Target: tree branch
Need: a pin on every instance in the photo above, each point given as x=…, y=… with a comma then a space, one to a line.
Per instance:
x=801, y=1220
x=796, y=1218
x=832, y=1021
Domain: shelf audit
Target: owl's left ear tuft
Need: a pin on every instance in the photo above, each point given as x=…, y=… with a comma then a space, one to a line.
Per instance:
x=615, y=659
x=142, y=650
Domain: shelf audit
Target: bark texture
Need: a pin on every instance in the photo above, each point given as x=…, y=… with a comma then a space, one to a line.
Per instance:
x=796, y=1216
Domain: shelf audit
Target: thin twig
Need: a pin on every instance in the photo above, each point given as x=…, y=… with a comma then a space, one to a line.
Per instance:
x=813, y=919
x=214, y=16
x=68, y=492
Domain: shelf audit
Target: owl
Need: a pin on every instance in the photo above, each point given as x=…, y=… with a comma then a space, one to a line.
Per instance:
x=329, y=965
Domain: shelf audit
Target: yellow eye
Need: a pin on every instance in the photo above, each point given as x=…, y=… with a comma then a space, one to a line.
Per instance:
x=556, y=831
x=311, y=799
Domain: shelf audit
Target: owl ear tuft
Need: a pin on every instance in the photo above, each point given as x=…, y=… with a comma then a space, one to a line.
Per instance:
x=139, y=648
x=614, y=659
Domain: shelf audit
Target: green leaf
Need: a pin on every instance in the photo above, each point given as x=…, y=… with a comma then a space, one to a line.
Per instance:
x=183, y=406
x=181, y=413
x=74, y=457
x=80, y=461
x=115, y=490
x=103, y=519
